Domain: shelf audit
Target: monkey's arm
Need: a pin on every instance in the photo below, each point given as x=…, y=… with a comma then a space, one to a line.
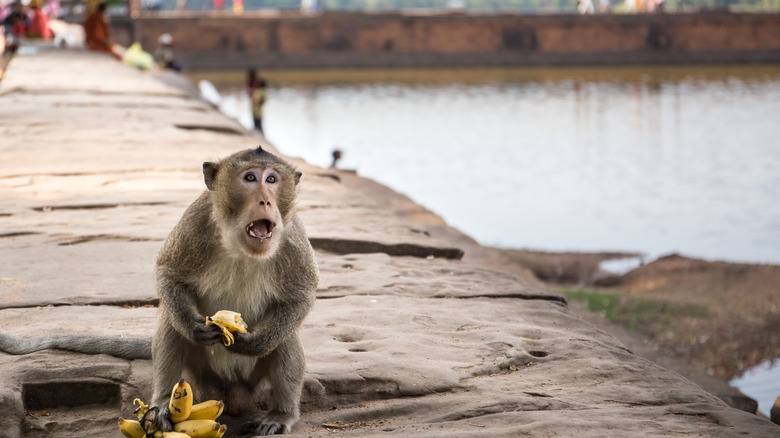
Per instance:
x=178, y=300
x=126, y=348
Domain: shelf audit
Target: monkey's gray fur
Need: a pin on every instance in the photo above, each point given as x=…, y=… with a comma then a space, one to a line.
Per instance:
x=126, y=348
x=212, y=262
x=240, y=246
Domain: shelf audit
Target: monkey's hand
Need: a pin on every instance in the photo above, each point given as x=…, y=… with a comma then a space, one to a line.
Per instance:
x=206, y=334
x=251, y=344
x=241, y=337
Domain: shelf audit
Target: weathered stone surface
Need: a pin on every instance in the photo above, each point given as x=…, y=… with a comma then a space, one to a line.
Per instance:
x=380, y=274
x=94, y=320
x=408, y=346
x=329, y=208
x=101, y=272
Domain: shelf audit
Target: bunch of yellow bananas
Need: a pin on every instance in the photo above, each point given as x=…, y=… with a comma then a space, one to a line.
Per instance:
x=189, y=421
x=229, y=322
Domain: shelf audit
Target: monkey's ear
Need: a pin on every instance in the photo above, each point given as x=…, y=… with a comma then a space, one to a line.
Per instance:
x=298, y=175
x=210, y=173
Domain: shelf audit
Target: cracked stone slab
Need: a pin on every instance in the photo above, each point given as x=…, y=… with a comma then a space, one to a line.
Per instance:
x=131, y=322
x=95, y=273
x=504, y=366
x=57, y=393
x=369, y=347
x=486, y=412
x=340, y=220
x=381, y=274
x=76, y=71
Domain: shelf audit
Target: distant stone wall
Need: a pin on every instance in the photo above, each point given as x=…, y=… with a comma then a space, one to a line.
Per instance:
x=400, y=40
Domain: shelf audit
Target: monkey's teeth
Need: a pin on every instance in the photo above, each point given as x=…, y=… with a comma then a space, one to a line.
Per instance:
x=251, y=232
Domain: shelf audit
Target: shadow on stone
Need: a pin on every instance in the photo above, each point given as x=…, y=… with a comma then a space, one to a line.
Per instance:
x=48, y=395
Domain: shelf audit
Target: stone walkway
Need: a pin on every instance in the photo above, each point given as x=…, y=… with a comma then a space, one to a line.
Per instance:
x=408, y=338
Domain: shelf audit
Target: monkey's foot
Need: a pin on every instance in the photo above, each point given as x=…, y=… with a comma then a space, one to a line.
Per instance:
x=164, y=418
x=272, y=423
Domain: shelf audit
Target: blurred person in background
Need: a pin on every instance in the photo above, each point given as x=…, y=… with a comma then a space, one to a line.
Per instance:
x=163, y=56
x=97, y=33
x=15, y=26
x=255, y=87
x=39, y=22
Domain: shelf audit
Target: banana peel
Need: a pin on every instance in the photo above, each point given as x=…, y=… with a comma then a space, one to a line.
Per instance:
x=229, y=322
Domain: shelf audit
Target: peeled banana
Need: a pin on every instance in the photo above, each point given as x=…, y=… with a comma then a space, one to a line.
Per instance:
x=181, y=401
x=229, y=322
x=207, y=410
x=131, y=428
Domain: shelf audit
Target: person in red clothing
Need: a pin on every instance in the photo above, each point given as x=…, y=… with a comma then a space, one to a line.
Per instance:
x=97, y=33
x=39, y=23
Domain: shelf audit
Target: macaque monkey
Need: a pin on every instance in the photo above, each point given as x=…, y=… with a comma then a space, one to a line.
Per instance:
x=240, y=246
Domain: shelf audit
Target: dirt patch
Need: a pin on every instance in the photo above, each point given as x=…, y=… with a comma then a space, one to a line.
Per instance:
x=726, y=315
x=709, y=321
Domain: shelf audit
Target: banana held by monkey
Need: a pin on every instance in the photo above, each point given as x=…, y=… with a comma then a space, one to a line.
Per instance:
x=200, y=428
x=229, y=322
x=131, y=428
x=181, y=401
x=207, y=410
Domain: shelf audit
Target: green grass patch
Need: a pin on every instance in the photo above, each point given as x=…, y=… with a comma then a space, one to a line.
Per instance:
x=600, y=302
x=636, y=315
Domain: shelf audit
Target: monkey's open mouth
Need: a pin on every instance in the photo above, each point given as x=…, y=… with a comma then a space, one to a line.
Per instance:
x=260, y=229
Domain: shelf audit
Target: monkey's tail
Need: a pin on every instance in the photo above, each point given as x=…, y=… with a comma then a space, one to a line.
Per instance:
x=126, y=348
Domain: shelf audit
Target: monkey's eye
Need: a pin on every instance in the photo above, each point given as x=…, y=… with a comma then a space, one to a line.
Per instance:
x=270, y=179
x=250, y=177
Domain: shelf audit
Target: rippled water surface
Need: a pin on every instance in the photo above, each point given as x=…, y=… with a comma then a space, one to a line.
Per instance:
x=655, y=160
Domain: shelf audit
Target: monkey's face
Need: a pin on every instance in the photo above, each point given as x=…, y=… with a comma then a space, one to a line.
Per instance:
x=255, y=220
x=253, y=194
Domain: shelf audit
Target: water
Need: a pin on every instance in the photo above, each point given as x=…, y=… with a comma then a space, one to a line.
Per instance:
x=654, y=160
x=761, y=383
